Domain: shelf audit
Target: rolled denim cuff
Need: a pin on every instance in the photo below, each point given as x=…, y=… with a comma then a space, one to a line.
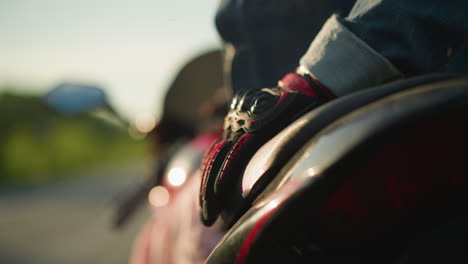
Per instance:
x=343, y=62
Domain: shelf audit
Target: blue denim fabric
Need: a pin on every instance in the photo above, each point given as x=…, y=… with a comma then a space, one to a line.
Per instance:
x=343, y=62
x=417, y=36
x=270, y=36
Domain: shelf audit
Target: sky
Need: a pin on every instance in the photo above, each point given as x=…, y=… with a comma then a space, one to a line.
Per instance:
x=132, y=48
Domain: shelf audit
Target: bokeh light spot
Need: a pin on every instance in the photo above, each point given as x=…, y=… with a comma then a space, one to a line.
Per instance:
x=158, y=196
x=144, y=123
x=177, y=176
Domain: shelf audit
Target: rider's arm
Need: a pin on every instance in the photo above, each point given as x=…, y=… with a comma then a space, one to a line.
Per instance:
x=386, y=39
x=343, y=62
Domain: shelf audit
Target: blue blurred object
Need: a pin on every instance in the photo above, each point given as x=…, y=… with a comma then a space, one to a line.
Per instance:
x=75, y=99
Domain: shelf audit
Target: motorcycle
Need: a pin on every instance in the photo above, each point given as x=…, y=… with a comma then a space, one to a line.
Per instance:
x=377, y=176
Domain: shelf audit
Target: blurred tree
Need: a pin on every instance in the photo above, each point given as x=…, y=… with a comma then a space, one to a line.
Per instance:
x=36, y=144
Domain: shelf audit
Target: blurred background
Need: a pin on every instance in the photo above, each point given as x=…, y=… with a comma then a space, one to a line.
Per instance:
x=61, y=175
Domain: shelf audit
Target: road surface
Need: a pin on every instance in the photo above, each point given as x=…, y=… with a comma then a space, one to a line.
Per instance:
x=68, y=222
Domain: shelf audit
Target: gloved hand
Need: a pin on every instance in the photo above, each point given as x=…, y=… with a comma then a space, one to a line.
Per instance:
x=253, y=119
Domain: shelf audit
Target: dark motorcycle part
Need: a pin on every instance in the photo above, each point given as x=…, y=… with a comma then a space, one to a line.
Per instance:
x=365, y=186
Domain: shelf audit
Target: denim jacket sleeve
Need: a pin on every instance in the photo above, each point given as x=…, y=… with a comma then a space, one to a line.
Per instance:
x=343, y=62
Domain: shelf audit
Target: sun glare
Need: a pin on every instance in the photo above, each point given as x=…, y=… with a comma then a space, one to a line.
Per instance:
x=144, y=123
x=177, y=176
